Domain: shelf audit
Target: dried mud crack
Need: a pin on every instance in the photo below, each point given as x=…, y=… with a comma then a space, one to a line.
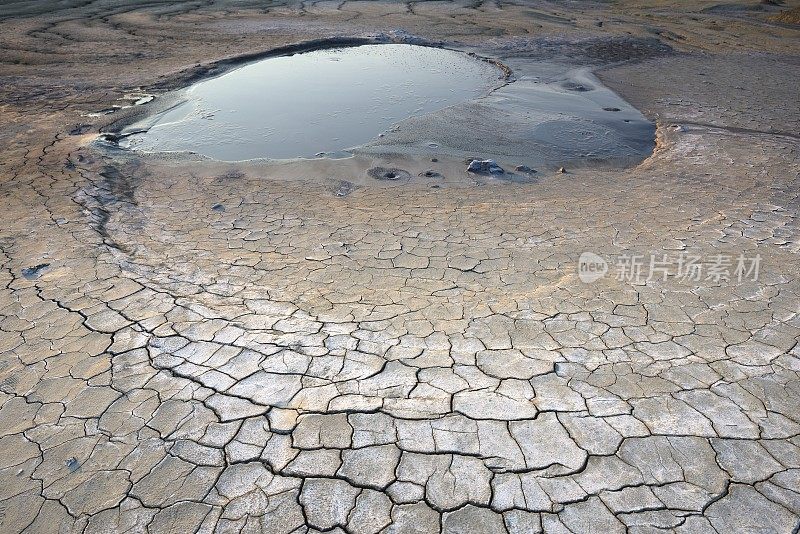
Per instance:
x=193, y=346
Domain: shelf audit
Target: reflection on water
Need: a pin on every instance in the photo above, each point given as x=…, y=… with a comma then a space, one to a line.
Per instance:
x=321, y=101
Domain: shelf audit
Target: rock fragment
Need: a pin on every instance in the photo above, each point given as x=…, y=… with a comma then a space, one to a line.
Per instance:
x=484, y=166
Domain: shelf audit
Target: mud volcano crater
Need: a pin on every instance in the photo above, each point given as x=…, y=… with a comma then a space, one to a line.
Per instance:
x=390, y=98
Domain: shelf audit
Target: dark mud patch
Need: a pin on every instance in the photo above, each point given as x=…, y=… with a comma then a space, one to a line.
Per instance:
x=625, y=49
x=112, y=190
x=117, y=186
x=727, y=9
x=32, y=273
x=80, y=129
x=591, y=51
x=390, y=174
x=230, y=176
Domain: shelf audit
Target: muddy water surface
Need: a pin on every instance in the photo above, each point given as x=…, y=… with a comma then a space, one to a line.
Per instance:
x=323, y=101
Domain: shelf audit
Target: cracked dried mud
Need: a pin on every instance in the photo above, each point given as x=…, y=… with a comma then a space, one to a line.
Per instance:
x=196, y=346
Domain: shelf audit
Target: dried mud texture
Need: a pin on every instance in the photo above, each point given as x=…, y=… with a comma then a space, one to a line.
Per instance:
x=199, y=347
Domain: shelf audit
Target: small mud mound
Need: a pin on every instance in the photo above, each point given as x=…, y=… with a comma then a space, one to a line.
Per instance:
x=389, y=174
x=577, y=87
x=343, y=188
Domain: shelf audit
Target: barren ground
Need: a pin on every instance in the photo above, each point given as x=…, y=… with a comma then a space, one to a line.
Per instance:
x=198, y=346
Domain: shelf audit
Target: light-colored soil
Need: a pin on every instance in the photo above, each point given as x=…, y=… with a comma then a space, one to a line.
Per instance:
x=196, y=346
